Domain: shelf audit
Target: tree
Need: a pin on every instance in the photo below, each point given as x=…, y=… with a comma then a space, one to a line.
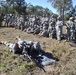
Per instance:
x=38, y=10
x=18, y=5
x=73, y=11
x=62, y=6
x=3, y=6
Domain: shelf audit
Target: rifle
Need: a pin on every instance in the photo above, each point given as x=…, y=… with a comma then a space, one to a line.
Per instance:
x=35, y=60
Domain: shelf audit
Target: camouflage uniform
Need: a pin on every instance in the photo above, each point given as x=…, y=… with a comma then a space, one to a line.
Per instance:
x=18, y=22
x=51, y=28
x=22, y=22
x=70, y=29
x=45, y=32
x=6, y=18
x=36, y=29
x=59, y=25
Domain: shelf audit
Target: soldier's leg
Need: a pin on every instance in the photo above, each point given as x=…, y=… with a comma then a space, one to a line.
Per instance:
x=71, y=37
x=67, y=35
x=50, y=32
x=7, y=24
x=58, y=35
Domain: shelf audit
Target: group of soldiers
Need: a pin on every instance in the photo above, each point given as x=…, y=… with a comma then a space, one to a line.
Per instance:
x=43, y=25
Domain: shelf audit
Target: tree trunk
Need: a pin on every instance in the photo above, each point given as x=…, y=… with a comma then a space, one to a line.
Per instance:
x=60, y=11
x=63, y=15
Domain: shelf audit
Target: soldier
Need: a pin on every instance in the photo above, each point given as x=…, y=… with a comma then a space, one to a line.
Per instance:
x=70, y=28
x=30, y=30
x=33, y=48
x=18, y=22
x=37, y=30
x=45, y=32
x=42, y=19
x=59, y=25
x=52, y=21
x=46, y=19
x=26, y=25
x=30, y=18
x=52, y=31
x=51, y=28
x=7, y=18
x=11, y=21
x=22, y=22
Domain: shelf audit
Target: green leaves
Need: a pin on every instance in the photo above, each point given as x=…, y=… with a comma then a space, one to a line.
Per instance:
x=60, y=4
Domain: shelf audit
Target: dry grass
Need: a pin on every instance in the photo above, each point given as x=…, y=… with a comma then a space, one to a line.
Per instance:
x=14, y=65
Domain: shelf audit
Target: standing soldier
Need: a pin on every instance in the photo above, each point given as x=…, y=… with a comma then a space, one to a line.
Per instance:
x=42, y=19
x=59, y=25
x=22, y=22
x=7, y=18
x=51, y=28
x=70, y=29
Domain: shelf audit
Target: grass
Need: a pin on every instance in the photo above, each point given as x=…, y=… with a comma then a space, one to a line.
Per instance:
x=11, y=64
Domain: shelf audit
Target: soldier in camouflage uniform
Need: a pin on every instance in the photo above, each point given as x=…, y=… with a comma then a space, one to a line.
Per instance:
x=70, y=29
x=6, y=19
x=37, y=30
x=22, y=22
x=51, y=28
x=59, y=25
x=45, y=32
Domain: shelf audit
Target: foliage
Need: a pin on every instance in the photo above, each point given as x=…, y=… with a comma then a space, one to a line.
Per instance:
x=60, y=4
x=18, y=6
x=71, y=13
x=38, y=10
x=21, y=7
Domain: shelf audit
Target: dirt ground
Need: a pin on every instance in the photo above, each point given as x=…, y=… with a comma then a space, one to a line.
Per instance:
x=11, y=64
